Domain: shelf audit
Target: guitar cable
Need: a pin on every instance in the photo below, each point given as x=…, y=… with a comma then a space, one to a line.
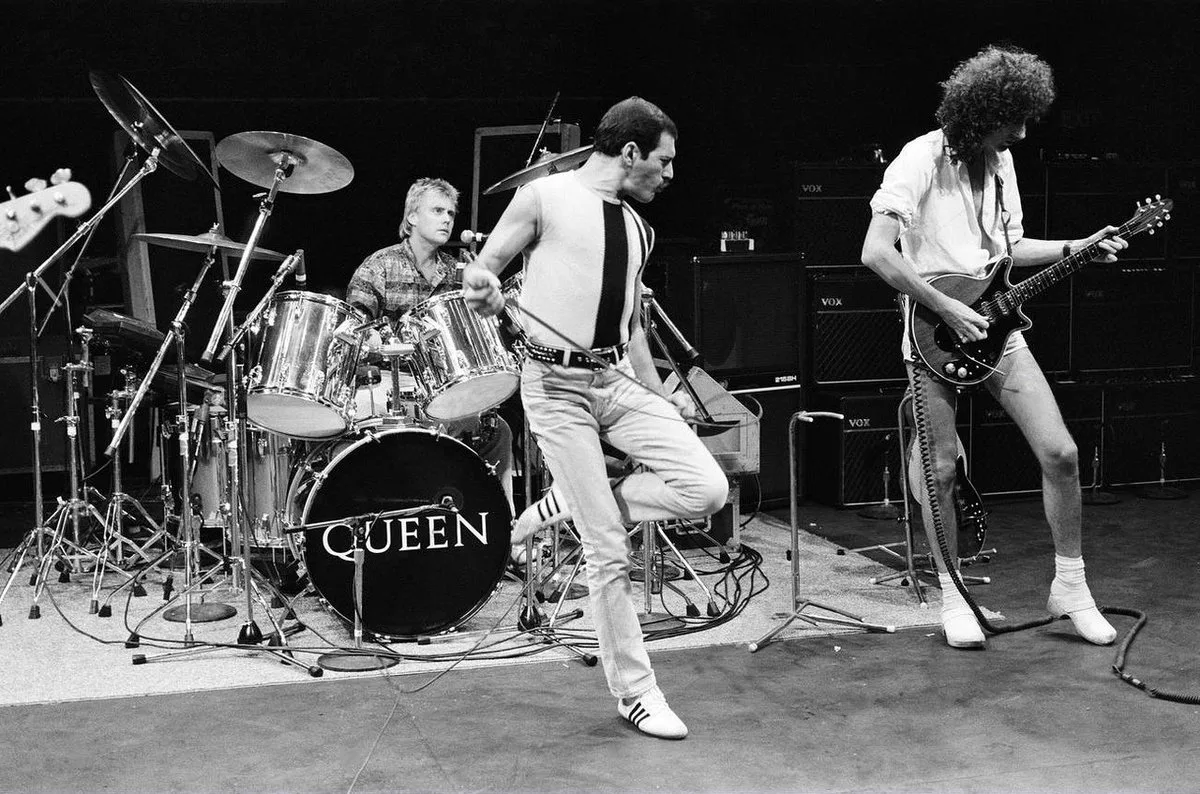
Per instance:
x=919, y=377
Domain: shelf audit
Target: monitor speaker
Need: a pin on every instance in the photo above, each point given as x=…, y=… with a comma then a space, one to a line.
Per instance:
x=742, y=312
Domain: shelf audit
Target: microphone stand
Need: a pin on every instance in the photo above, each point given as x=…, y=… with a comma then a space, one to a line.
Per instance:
x=654, y=315
x=286, y=268
x=545, y=123
x=29, y=284
x=837, y=617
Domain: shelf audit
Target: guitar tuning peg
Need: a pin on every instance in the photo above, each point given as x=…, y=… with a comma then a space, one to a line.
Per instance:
x=1158, y=197
x=35, y=184
x=60, y=176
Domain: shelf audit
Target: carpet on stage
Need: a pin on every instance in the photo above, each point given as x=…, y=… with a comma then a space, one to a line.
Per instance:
x=70, y=654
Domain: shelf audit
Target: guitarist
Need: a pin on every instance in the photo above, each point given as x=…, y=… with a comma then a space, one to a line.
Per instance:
x=950, y=198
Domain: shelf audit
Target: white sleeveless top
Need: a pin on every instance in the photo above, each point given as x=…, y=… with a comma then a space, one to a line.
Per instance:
x=583, y=272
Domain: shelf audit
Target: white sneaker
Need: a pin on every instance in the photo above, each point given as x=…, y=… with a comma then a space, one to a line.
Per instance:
x=651, y=715
x=545, y=511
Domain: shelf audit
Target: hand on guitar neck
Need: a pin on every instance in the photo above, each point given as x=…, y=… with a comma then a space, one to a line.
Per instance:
x=961, y=337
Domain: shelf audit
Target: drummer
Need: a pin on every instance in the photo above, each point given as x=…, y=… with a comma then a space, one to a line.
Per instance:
x=393, y=280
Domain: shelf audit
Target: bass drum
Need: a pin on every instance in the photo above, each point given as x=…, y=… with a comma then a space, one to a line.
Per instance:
x=423, y=573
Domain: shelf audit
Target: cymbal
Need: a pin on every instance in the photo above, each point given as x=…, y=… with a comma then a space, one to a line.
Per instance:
x=203, y=242
x=255, y=156
x=146, y=126
x=566, y=161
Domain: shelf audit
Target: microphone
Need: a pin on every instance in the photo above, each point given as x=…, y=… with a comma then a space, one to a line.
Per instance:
x=469, y=236
x=300, y=276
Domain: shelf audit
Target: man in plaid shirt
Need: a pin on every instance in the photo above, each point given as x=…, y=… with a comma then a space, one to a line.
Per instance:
x=393, y=280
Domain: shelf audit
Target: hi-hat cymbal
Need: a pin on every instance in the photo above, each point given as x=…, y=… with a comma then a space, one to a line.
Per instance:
x=566, y=161
x=146, y=126
x=203, y=242
x=312, y=166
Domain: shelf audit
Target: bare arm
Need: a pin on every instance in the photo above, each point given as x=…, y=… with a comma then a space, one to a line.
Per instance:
x=515, y=230
x=1028, y=251
x=879, y=253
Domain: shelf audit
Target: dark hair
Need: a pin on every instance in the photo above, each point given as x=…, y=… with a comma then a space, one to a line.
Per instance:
x=633, y=119
x=1001, y=85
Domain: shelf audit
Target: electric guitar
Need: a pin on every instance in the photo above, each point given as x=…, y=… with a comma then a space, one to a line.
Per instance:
x=970, y=516
x=997, y=298
x=22, y=217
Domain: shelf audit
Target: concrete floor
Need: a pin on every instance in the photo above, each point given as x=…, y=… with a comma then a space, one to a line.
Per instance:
x=1036, y=711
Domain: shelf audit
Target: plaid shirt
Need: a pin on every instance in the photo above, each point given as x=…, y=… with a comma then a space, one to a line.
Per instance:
x=388, y=281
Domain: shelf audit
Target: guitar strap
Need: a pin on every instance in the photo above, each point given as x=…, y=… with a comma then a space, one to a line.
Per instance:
x=1004, y=216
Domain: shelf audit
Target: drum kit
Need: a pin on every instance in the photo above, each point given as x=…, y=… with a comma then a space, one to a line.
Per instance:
x=302, y=448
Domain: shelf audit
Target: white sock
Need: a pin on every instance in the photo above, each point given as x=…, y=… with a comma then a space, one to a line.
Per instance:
x=1070, y=596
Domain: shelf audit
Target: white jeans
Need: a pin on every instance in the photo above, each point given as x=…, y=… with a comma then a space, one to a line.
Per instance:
x=569, y=411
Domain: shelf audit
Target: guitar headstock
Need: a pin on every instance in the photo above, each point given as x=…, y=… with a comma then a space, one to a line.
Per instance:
x=1149, y=216
x=22, y=217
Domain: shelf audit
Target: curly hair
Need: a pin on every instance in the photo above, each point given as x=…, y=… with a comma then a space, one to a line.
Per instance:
x=1001, y=85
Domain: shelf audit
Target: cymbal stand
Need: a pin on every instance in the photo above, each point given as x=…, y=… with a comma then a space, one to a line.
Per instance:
x=119, y=510
x=175, y=336
x=236, y=418
x=800, y=603
x=1094, y=495
x=1161, y=490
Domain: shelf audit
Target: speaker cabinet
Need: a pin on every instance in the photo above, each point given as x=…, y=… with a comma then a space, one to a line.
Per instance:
x=1001, y=460
x=854, y=327
x=1183, y=230
x=742, y=312
x=1132, y=315
x=833, y=210
x=772, y=486
x=1050, y=336
x=1081, y=198
x=845, y=461
x=1151, y=423
x=15, y=413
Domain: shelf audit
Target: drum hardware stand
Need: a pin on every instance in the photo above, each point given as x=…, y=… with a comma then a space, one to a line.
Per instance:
x=1093, y=495
x=1162, y=491
x=204, y=612
x=886, y=510
x=250, y=634
x=837, y=617
x=653, y=573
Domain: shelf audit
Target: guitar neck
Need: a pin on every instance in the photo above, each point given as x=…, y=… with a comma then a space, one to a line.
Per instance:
x=1045, y=279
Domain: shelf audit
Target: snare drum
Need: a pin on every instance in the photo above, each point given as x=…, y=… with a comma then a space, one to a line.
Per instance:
x=302, y=378
x=375, y=403
x=422, y=573
x=459, y=360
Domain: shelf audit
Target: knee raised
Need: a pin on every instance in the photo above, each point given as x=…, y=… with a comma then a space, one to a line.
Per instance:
x=707, y=495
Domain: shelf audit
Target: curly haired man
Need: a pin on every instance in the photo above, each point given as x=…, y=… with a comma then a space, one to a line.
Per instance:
x=951, y=199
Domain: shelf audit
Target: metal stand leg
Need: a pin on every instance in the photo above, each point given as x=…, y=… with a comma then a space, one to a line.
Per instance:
x=838, y=617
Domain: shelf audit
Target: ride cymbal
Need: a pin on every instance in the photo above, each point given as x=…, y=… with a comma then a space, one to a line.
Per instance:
x=206, y=241
x=146, y=126
x=310, y=166
x=567, y=161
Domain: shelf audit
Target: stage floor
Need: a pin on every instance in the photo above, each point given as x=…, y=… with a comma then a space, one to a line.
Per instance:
x=1036, y=711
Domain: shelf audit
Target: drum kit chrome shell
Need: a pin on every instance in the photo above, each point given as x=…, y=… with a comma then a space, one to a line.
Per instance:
x=301, y=447
x=295, y=437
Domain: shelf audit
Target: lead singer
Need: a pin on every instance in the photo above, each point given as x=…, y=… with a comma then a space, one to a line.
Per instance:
x=585, y=250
